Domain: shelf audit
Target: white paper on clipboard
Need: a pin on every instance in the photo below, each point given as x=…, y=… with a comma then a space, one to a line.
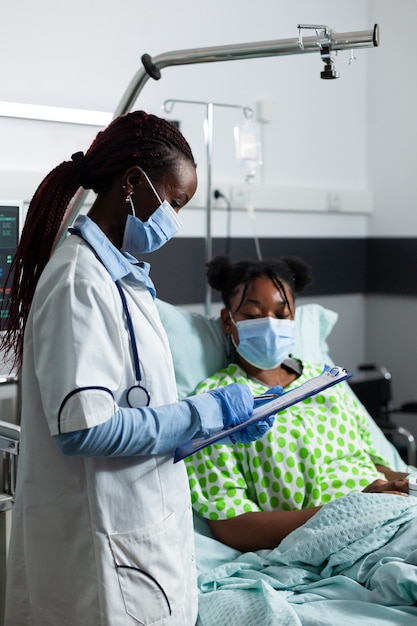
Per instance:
x=329, y=376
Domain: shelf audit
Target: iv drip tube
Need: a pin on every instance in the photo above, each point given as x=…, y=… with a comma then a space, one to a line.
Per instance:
x=281, y=47
x=168, y=105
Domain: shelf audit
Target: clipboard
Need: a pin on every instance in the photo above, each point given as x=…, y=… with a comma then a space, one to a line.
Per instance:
x=331, y=375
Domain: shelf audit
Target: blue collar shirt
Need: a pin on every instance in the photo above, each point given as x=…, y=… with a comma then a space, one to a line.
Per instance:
x=118, y=264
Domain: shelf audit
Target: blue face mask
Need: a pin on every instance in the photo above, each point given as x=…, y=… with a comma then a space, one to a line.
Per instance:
x=265, y=342
x=142, y=237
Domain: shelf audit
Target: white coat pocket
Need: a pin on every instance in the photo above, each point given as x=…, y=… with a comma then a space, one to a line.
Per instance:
x=150, y=570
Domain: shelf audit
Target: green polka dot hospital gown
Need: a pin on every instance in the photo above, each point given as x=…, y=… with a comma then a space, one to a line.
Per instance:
x=316, y=451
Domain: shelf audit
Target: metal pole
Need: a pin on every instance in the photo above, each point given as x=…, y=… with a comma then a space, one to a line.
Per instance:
x=209, y=148
x=168, y=106
x=281, y=47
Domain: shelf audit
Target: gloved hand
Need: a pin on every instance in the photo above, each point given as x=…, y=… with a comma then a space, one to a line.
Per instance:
x=257, y=430
x=252, y=432
x=236, y=404
x=276, y=391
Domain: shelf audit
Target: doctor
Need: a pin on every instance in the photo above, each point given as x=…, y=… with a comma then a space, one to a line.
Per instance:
x=102, y=529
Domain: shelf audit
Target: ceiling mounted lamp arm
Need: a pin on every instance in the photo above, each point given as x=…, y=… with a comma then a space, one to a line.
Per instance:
x=281, y=47
x=152, y=66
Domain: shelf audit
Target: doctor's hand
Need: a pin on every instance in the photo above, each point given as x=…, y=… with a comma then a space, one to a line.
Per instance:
x=272, y=391
x=236, y=404
x=277, y=390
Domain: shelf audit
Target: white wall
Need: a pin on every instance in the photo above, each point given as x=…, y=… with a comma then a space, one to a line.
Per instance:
x=392, y=120
x=391, y=322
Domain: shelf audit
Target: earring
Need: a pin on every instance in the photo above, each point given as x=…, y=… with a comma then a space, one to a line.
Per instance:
x=130, y=200
x=127, y=194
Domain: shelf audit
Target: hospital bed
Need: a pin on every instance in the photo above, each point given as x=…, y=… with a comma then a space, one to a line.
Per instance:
x=199, y=348
x=372, y=385
x=310, y=580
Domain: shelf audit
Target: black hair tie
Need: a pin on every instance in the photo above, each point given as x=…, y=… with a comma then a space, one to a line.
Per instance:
x=79, y=161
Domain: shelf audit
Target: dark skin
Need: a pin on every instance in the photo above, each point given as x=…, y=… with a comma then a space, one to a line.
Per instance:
x=110, y=209
x=266, y=529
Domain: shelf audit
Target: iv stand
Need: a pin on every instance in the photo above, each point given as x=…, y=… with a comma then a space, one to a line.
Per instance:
x=255, y=50
x=168, y=106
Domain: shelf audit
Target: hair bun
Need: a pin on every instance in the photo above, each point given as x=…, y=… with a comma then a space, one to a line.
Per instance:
x=217, y=272
x=302, y=272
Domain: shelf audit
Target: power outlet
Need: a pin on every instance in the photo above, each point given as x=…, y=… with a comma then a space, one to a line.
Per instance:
x=238, y=196
x=334, y=201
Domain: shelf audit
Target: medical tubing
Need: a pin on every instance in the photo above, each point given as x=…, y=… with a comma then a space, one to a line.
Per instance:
x=130, y=329
x=145, y=430
x=251, y=214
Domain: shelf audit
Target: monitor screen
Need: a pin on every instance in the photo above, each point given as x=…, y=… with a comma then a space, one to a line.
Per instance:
x=10, y=225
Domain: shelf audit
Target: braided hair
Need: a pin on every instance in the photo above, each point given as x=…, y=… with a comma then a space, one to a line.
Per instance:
x=227, y=277
x=136, y=138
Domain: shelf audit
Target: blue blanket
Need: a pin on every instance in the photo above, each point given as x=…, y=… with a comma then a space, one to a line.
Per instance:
x=356, y=559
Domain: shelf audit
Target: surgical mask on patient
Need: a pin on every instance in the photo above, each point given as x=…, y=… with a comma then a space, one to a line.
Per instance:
x=265, y=342
x=142, y=237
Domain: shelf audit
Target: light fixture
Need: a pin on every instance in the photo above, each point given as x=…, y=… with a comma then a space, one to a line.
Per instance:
x=54, y=114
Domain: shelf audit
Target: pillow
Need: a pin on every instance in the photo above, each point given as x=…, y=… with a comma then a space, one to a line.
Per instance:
x=314, y=325
x=200, y=347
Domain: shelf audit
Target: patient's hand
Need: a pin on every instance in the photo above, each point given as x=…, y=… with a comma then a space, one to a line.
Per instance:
x=391, y=474
x=398, y=487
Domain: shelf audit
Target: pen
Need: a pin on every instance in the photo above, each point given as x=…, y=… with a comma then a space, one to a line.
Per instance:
x=265, y=396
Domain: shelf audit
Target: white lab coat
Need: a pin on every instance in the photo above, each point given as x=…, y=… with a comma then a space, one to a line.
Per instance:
x=95, y=541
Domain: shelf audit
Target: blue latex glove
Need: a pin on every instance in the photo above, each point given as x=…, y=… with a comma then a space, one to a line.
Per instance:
x=252, y=432
x=236, y=404
x=260, y=428
x=276, y=391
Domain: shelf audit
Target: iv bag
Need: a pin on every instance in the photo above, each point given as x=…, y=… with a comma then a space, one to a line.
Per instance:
x=248, y=146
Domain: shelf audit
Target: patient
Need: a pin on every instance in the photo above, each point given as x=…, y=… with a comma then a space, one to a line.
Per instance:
x=253, y=495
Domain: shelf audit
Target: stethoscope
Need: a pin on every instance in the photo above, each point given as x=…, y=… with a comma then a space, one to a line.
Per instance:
x=137, y=395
